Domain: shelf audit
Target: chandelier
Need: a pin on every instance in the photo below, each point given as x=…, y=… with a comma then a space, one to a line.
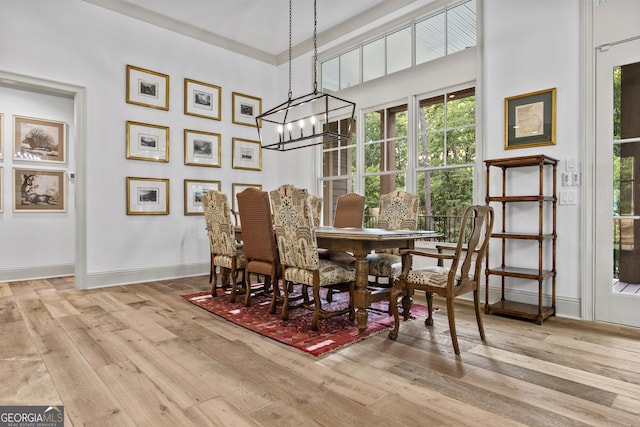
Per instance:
x=306, y=120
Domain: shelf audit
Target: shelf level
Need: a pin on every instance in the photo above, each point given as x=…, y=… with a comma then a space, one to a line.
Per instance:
x=523, y=236
x=521, y=310
x=522, y=199
x=522, y=273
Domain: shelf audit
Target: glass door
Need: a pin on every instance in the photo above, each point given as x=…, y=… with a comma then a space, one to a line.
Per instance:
x=617, y=271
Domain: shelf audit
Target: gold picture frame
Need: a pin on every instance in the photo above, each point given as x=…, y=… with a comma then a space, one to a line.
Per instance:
x=202, y=99
x=202, y=148
x=245, y=109
x=530, y=119
x=39, y=190
x=147, y=88
x=147, y=142
x=246, y=154
x=147, y=196
x=193, y=191
x=239, y=188
x=39, y=140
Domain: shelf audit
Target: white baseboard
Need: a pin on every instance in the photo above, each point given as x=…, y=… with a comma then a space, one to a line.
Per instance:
x=34, y=273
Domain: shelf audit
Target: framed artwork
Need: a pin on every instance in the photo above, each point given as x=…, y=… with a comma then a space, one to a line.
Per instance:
x=147, y=196
x=245, y=109
x=202, y=148
x=39, y=190
x=147, y=142
x=147, y=88
x=1, y=135
x=247, y=154
x=530, y=119
x=193, y=192
x=239, y=188
x=202, y=99
x=39, y=140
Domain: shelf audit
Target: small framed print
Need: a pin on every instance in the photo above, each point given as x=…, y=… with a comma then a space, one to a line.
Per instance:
x=530, y=119
x=147, y=196
x=247, y=154
x=39, y=190
x=147, y=142
x=147, y=88
x=239, y=188
x=39, y=140
x=245, y=109
x=202, y=148
x=193, y=192
x=202, y=99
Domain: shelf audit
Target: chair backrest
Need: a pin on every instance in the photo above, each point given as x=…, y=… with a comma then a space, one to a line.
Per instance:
x=472, y=245
x=259, y=240
x=293, y=222
x=349, y=211
x=316, y=208
x=398, y=211
x=217, y=214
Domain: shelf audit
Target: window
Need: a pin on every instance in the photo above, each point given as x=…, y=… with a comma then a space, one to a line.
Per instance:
x=440, y=168
x=433, y=37
x=446, y=156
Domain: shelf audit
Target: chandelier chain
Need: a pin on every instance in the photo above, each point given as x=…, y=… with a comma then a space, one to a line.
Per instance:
x=315, y=47
x=290, y=19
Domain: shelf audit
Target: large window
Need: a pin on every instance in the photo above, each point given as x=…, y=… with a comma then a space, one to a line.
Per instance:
x=446, y=155
x=436, y=161
x=430, y=38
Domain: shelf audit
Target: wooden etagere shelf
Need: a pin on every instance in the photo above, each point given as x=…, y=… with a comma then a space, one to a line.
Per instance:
x=544, y=273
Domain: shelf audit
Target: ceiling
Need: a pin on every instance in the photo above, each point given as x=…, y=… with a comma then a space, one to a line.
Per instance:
x=260, y=28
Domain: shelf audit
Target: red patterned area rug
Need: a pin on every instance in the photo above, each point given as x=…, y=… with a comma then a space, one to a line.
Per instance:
x=333, y=333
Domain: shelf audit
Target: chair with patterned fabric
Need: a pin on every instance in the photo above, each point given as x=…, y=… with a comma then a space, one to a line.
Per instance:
x=448, y=281
x=226, y=253
x=398, y=211
x=316, y=209
x=259, y=241
x=298, y=249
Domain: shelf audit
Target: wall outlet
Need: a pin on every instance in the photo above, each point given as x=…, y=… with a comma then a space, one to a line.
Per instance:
x=567, y=197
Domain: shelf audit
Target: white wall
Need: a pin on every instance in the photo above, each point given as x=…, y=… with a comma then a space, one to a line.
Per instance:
x=78, y=43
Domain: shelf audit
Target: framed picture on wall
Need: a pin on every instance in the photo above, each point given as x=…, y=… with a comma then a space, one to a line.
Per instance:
x=247, y=154
x=147, y=88
x=39, y=190
x=239, y=188
x=530, y=119
x=202, y=148
x=202, y=99
x=39, y=140
x=147, y=142
x=245, y=109
x=193, y=192
x=147, y=196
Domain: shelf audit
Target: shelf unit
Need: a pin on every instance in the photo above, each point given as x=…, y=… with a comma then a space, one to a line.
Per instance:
x=544, y=273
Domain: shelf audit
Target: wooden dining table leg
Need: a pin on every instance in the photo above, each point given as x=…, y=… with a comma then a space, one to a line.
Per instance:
x=361, y=292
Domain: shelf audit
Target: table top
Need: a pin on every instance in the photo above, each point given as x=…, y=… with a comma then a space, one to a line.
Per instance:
x=373, y=233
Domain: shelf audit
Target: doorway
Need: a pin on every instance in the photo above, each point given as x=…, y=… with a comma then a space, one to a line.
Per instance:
x=617, y=271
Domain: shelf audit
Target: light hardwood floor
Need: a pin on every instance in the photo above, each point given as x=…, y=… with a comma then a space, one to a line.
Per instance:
x=140, y=355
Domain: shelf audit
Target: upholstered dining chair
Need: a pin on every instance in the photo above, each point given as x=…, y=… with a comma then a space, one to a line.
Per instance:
x=316, y=209
x=461, y=276
x=298, y=249
x=259, y=240
x=226, y=253
x=349, y=214
x=398, y=211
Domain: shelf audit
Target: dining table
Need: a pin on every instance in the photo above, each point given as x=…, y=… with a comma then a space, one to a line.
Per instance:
x=360, y=242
